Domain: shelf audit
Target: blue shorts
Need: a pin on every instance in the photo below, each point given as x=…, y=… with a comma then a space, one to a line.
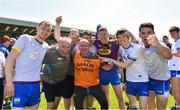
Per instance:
x=26, y=94
x=107, y=77
x=159, y=87
x=175, y=73
x=137, y=88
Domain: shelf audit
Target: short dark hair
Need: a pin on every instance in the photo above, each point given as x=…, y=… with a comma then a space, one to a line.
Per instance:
x=165, y=36
x=147, y=24
x=87, y=32
x=174, y=28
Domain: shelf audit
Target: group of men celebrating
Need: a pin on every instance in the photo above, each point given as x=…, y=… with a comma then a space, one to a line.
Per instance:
x=79, y=67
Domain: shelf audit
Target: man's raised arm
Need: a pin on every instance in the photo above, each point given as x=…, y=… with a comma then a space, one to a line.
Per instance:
x=57, y=30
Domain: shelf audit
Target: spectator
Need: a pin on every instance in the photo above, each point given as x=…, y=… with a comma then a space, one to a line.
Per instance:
x=12, y=42
x=5, y=45
x=166, y=41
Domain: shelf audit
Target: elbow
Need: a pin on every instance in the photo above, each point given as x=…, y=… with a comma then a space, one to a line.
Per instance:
x=168, y=56
x=9, y=60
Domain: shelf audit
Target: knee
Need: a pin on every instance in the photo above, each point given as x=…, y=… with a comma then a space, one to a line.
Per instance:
x=50, y=106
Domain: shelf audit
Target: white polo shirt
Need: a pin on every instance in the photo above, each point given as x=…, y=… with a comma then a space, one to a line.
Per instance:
x=29, y=62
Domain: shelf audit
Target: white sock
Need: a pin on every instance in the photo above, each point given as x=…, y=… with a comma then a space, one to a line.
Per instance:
x=177, y=106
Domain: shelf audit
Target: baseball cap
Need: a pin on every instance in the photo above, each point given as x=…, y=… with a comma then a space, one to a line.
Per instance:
x=6, y=38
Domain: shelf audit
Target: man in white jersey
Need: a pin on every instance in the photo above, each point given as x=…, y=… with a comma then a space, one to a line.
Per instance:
x=174, y=65
x=155, y=56
x=136, y=76
x=26, y=56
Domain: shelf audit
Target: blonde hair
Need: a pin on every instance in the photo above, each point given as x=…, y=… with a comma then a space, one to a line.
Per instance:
x=75, y=30
x=47, y=23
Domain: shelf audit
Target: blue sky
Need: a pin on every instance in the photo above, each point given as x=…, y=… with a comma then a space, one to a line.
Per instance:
x=87, y=14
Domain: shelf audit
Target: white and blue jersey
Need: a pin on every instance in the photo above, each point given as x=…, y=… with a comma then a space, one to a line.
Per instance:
x=174, y=63
x=29, y=61
x=136, y=76
x=136, y=71
x=27, y=71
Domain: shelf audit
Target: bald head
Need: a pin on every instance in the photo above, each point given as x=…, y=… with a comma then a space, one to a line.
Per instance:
x=83, y=41
x=84, y=46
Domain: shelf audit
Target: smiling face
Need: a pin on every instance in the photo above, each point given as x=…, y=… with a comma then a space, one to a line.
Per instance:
x=165, y=39
x=124, y=37
x=174, y=31
x=74, y=35
x=103, y=36
x=144, y=32
x=83, y=46
x=124, y=40
x=174, y=35
x=44, y=30
x=87, y=37
x=65, y=46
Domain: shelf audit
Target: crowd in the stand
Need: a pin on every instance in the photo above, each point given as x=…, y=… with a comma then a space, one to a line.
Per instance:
x=79, y=68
